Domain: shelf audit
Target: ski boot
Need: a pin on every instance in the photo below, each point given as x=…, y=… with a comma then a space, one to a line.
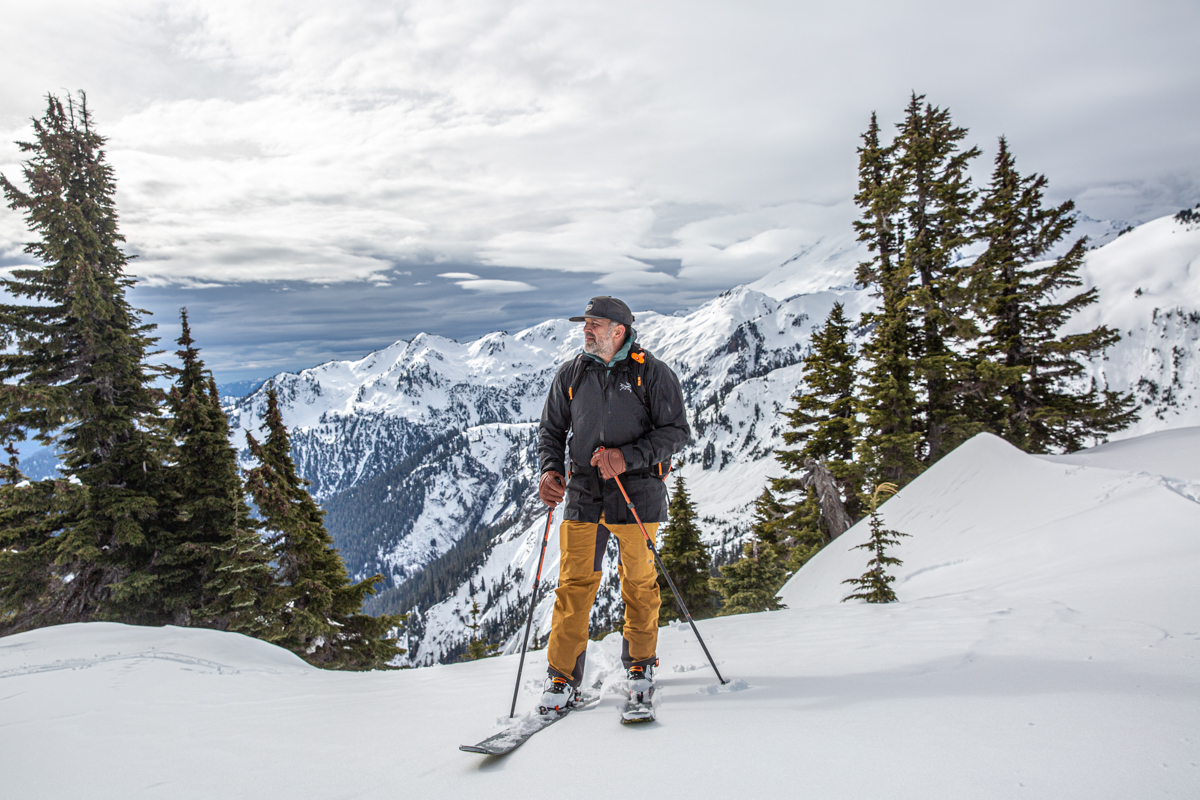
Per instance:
x=558, y=698
x=639, y=706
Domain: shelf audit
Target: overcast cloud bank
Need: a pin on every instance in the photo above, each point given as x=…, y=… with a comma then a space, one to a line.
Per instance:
x=664, y=151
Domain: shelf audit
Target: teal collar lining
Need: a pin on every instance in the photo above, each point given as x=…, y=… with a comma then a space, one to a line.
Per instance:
x=621, y=354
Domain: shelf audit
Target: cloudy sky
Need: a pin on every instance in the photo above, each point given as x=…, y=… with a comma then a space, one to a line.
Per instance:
x=316, y=180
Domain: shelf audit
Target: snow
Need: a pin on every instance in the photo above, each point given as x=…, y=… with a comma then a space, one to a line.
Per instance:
x=1173, y=454
x=1046, y=644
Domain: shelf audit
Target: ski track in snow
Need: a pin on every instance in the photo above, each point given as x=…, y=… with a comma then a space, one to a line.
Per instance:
x=1046, y=644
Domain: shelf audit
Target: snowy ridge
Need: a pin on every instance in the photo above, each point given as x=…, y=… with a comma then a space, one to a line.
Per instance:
x=1044, y=645
x=1149, y=280
x=404, y=446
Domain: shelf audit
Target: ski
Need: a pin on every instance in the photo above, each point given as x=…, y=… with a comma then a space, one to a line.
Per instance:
x=525, y=727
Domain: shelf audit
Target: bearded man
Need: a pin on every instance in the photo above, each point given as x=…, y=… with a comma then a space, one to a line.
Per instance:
x=624, y=410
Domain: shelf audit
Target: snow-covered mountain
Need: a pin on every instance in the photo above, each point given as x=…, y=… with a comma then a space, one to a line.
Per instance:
x=424, y=453
x=1044, y=645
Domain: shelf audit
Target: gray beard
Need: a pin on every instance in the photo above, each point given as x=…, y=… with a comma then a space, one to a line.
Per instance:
x=594, y=348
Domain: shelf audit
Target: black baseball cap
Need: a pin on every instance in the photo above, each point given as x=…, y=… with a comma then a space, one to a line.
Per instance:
x=605, y=307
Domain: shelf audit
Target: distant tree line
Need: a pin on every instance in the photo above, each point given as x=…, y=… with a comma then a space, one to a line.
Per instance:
x=149, y=521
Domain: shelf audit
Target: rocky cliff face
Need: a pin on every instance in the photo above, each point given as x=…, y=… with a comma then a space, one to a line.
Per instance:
x=424, y=455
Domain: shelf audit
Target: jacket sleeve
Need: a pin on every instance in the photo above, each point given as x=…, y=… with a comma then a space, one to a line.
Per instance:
x=556, y=421
x=669, y=430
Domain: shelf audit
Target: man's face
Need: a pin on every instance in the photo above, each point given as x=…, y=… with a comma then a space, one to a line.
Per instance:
x=601, y=337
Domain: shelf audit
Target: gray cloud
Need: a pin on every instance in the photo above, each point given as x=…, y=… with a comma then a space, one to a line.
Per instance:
x=667, y=150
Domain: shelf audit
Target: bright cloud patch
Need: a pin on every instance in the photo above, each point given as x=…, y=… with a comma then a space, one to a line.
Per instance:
x=496, y=286
x=325, y=142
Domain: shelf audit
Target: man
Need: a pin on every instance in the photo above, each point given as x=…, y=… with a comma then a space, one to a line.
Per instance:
x=624, y=409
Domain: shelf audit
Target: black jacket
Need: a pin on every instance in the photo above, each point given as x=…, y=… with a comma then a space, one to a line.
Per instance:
x=607, y=410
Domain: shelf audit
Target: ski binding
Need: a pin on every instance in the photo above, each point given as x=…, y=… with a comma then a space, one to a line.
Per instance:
x=522, y=728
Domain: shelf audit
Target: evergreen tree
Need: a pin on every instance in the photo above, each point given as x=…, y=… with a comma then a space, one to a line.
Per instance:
x=477, y=648
x=825, y=420
x=891, y=433
x=30, y=519
x=936, y=212
x=216, y=568
x=1028, y=371
x=792, y=530
x=875, y=585
x=807, y=533
x=320, y=616
x=75, y=377
x=751, y=583
x=916, y=201
x=772, y=522
x=686, y=559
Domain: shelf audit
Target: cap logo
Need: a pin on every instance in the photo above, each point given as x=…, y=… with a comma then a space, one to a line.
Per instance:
x=589, y=305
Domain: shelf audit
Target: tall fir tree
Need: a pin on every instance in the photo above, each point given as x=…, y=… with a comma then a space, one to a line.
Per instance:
x=320, y=609
x=825, y=419
x=75, y=377
x=891, y=435
x=1028, y=371
x=686, y=558
x=216, y=568
x=936, y=212
x=916, y=200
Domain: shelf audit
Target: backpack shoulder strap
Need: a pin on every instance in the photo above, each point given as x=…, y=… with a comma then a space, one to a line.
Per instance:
x=576, y=376
x=638, y=355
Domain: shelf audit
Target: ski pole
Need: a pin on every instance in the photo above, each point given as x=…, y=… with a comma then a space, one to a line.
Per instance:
x=532, y=603
x=686, y=614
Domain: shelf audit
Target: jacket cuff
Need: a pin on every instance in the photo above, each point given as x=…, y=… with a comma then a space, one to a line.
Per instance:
x=631, y=457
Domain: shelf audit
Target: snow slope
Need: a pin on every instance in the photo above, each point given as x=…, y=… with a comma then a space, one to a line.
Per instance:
x=1046, y=645
x=1149, y=281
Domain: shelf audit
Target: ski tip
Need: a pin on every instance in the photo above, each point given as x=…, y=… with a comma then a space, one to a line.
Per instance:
x=470, y=748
